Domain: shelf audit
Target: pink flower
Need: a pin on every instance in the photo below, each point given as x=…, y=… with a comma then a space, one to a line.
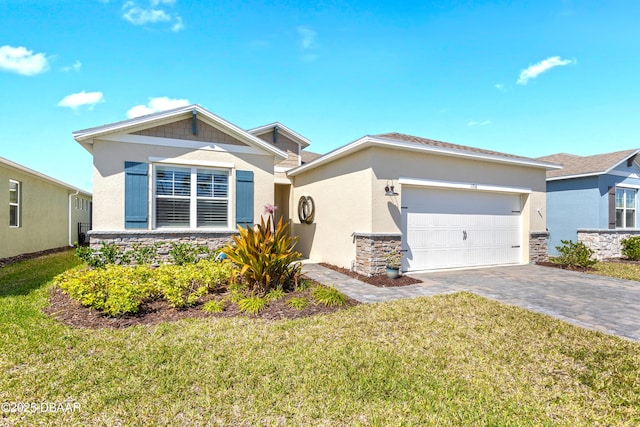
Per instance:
x=270, y=209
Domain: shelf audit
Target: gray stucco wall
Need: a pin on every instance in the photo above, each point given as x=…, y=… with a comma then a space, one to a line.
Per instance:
x=583, y=203
x=571, y=204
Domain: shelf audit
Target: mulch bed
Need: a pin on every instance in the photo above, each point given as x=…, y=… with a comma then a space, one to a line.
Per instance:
x=32, y=255
x=70, y=312
x=565, y=267
x=381, y=281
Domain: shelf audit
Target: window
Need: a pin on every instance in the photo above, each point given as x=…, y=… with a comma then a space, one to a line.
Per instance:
x=625, y=208
x=14, y=203
x=191, y=197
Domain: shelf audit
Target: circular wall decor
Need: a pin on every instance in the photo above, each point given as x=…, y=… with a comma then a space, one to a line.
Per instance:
x=306, y=209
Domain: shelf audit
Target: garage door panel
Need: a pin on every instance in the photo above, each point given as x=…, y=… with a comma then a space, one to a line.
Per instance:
x=451, y=228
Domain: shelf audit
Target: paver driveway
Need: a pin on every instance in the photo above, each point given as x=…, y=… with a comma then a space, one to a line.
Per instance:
x=595, y=302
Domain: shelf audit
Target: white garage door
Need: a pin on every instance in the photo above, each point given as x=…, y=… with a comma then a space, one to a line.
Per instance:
x=446, y=228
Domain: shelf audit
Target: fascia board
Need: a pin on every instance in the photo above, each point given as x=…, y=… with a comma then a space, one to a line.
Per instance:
x=87, y=135
x=332, y=155
x=290, y=133
x=464, y=154
x=417, y=147
x=43, y=176
x=621, y=161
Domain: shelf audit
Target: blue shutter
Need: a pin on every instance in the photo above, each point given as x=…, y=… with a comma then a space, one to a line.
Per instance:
x=244, y=198
x=136, y=195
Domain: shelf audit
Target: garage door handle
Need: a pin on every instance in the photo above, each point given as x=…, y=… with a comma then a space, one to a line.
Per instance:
x=515, y=246
x=464, y=235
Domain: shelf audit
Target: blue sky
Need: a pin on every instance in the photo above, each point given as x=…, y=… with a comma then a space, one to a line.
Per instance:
x=529, y=78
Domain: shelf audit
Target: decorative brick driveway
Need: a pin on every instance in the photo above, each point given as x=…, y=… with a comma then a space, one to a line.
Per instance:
x=595, y=302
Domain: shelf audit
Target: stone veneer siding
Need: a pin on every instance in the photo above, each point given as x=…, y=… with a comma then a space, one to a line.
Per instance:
x=126, y=239
x=372, y=250
x=604, y=242
x=539, y=246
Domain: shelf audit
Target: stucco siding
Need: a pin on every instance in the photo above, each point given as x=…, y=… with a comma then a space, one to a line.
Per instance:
x=342, y=194
x=44, y=220
x=351, y=196
x=573, y=204
x=108, y=181
x=389, y=165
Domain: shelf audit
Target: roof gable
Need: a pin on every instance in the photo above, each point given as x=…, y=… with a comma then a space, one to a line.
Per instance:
x=294, y=136
x=578, y=166
x=161, y=119
x=414, y=143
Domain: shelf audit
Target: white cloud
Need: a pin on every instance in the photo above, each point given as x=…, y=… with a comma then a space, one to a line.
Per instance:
x=499, y=86
x=178, y=25
x=139, y=16
x=479, y=123
x=155, y=13
x=20, y=60
x=74, y=67
x=546, y=64
x=156, y=104
x=79, y=99
x=307, y=37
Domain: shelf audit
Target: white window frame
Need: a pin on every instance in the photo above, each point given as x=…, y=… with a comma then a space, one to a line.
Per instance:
x=625, y=207
x=193, y=197
x=17, y=204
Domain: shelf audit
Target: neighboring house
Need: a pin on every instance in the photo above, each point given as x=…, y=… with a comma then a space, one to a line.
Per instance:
x=593, y=199
x=189, y=175
x=40, y=212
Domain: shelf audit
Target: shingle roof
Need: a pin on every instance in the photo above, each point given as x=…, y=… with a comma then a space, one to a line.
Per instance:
x=308, y=156
x=433, y=143
x=585, y=165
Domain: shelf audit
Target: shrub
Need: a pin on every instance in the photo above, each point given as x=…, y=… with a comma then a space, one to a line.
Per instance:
x=298, y=303
x=183, y=285
x=264, y=259
x=631, y=247
x=109, y=253
x=575, y=254
x=213, y=306
x=114, y=289
x=187, y=253
x=303, y=284
x=252, y=305
x=328, y=296
x=143, y=254
x=118, y=290
x=274, y=294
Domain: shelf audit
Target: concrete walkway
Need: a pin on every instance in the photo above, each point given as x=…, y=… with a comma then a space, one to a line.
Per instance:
x=594, y=302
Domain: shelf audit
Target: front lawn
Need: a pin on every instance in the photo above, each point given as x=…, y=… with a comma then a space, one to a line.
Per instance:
x=620, y=270
x=449, y=360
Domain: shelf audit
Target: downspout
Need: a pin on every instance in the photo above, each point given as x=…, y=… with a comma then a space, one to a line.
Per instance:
x=70, y=196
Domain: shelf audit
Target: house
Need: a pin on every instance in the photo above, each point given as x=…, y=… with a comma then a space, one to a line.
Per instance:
x=189, y=175
x=593, y=199
x=40, y=213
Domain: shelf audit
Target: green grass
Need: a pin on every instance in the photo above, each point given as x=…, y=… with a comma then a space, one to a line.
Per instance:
x=449, y=360
x=618, y=270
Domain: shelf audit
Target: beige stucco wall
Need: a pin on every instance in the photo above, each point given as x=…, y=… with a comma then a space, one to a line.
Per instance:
x=44, y=214
x=350, y=195
x=108, y=177
x=341, y=191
